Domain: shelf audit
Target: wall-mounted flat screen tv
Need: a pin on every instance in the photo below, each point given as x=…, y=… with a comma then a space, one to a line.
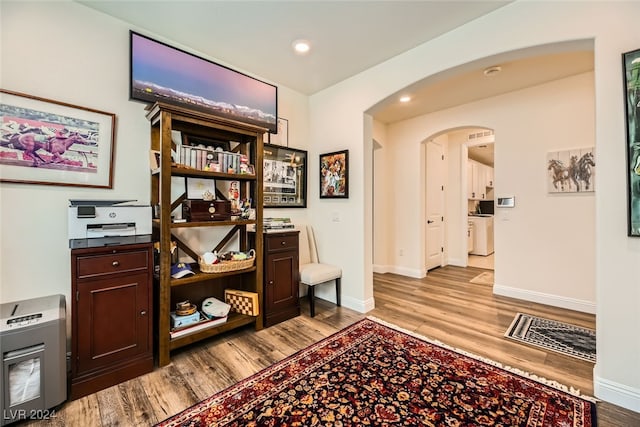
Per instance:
x=160, y=72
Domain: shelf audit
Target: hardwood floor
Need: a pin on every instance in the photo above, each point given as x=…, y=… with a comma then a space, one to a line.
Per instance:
x=443, y=306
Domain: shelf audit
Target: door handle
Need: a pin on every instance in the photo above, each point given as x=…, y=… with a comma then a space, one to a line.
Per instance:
x=429, y=221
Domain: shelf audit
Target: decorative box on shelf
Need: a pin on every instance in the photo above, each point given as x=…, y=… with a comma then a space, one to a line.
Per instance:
x=181, y=321
x=206, y=210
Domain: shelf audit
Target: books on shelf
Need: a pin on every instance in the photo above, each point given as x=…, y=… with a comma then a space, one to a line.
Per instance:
x=277, y=223
x=208, y=159
x=204, y=323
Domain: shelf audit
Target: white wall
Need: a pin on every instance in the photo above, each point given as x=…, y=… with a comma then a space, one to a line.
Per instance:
x=381, y=199
x=336, y=123
x=551, y=230
x=88, y=66
x=80, y=56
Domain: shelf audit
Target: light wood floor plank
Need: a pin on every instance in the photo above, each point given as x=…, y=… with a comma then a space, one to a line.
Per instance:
x=443, y=306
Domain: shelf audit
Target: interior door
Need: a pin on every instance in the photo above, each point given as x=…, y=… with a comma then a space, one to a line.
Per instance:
x=435, y=204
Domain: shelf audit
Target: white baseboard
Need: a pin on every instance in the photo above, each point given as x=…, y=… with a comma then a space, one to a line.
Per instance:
x=458, y=262
x=618, y=394
x=328, y=293
x=548, y=299
x=361, y=306
x=403, y=271
x=381, y=269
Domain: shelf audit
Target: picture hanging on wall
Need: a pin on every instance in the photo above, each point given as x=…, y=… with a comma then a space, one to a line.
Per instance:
x=284, y=177
x=631, y=65
x=571, y=171
x=54, y=143
x=282, y=137
x=334, y=175
x=159, y=72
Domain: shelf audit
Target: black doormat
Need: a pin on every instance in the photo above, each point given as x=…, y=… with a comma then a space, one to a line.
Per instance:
x=552, y=335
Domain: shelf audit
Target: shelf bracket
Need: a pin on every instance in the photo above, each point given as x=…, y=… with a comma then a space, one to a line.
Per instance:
x=226, y=239
x=178, y=201
x=184, y=247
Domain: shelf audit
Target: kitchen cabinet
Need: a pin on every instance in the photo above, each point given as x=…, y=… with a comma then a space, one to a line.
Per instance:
x=482, y=235
x=479, y=180
x=112, y=327
x=240, y=139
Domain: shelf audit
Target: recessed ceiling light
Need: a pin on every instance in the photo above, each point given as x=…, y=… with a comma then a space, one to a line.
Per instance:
x=301, y=46
x=491, y=71
x=405, y=98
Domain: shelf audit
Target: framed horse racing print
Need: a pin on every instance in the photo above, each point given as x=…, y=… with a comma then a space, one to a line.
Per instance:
x=54, y=143
x=631, y=65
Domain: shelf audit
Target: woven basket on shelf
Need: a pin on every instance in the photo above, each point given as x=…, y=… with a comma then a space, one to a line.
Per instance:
x=226, y=266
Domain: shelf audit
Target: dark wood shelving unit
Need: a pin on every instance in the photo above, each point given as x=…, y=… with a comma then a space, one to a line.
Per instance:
x=243, y=138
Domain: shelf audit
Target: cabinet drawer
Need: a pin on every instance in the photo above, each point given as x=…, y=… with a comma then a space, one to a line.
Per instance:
x=279, y=243
x=98, y=265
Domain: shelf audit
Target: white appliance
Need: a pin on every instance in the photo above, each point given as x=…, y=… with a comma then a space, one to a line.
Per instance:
x=89, y=219
x=483, y=235
x=34, y=369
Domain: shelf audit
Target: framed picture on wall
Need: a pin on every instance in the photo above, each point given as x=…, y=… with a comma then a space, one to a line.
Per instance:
x=282, y=137
x=334, y=175
x=55, y=143
x=571, y=171
x=631, y=66
x=285, y=177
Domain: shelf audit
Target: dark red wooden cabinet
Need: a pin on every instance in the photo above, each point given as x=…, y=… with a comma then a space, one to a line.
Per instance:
x=281, y=277
x=111, y=327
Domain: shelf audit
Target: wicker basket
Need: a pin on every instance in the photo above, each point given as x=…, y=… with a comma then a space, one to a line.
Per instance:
x=226, y=266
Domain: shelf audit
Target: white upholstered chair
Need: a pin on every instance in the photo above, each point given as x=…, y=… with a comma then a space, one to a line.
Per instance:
x=312, y=271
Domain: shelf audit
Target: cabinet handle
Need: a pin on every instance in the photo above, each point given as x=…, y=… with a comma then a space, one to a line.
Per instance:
x=283, y=243
x=270, y=282
x=115, y=263
x=143, y=313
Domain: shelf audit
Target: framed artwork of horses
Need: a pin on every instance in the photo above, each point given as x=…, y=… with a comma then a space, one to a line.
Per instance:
x=631, y=64
x=54, y=143
x=571, y=171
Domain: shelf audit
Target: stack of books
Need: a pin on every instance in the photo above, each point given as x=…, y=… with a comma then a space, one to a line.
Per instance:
x=204, y=323
x=277, y=223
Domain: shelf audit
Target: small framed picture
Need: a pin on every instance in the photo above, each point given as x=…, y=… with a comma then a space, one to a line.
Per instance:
x=334, y=175
x=282, y=137
x=201, y=188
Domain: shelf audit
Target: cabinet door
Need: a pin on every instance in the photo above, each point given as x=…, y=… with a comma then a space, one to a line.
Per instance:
x=281, y=290
x=489, y=175
x=471, y=191
x=113, y=320
x=480, y=181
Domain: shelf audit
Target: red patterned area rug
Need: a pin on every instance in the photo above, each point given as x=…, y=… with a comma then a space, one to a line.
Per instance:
x=373, y=373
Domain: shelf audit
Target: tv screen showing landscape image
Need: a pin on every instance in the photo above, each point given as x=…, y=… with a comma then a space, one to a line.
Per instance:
x=160, y=72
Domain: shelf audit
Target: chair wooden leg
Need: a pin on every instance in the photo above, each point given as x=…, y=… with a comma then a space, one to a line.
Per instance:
x=338, y=291
x=312, y=305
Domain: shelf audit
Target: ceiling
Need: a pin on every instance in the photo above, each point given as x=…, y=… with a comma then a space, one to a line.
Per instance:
x=347, y=37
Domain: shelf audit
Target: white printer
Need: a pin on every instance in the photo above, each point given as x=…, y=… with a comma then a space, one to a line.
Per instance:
x=104, y=219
